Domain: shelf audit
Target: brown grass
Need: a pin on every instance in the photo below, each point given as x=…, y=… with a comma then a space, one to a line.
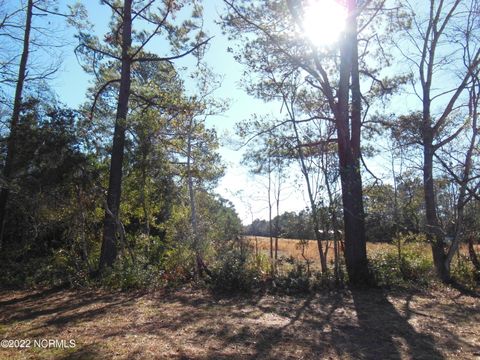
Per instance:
x=293, y=247
x=193, y=324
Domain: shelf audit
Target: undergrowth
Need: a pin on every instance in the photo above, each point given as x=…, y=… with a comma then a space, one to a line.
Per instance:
x=233, y=269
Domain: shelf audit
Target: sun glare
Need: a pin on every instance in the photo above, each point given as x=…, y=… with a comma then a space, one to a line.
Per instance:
x=324, y=21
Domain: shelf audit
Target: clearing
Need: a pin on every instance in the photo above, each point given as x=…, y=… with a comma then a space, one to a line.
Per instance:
x=293, y=247
x=193, y=324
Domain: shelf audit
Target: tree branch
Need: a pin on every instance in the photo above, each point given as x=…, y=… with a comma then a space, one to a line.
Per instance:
x=170, y=58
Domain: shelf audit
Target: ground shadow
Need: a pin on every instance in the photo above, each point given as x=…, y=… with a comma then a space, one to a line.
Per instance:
x=194, y=324
x=64, y=307
x=33, y=296
x=87, y=352
x=308, y=333
x=382, y=332
x=464, y=290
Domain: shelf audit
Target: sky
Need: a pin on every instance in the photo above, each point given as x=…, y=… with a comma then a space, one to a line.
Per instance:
x=238, y=186
x=248, y=194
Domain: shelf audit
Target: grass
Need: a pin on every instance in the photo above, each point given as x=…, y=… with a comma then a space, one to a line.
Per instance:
x=415, y=269
x=194, y=324
x=293, y=247
x=434, y=322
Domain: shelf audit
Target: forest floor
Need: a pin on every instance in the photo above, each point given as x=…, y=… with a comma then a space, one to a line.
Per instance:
x=436, y=323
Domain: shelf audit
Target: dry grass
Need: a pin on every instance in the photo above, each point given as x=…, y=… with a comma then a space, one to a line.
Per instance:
x=192, y=324
x=293, y=247
x=438, y=323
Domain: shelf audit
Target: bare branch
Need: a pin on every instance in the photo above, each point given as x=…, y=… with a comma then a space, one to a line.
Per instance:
x=170, y=58
x=99, y=92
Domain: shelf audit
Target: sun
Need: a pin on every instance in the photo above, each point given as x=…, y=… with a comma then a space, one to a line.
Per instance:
x=324, y=21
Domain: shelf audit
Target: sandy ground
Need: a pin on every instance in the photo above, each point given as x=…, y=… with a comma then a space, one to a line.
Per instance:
x=194, y=324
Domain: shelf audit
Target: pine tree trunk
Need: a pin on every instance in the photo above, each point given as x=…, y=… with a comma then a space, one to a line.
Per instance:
x=355, y=242
x=270, y=225
x=348, y=123
x=17, y=106
x=193, y=209
x=109, y=245
x=434, y=234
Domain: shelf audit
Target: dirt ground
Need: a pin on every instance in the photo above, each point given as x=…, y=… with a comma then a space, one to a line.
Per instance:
x=194, y=324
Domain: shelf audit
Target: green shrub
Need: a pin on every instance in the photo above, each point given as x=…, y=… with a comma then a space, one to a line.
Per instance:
x=262, y=264
x=128, y=274
x=412, y=265
x=296, y=279
x=150, y=263
x=59, y=268
x=179, y=265
x=236, y=270
x=415, y=265
x=463, y=271
x=296, y=276
x=385, y=268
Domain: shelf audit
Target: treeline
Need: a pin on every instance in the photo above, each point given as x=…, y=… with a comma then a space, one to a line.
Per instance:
x=121, y=188
x=290, y=225
x=385, y=218
x=54, y=217
x=401, y=86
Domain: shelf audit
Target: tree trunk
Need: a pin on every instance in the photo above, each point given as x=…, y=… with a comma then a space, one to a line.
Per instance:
x=434, y=233
x=466, y=176
x=333, y=217
x=82, y=228
x=314, y=212
x=348, y=138
x=270, y=225
x=193, y=208
x=109, y=245
x=143, y=194
x=277, y=220
x=355, y=243
x=17, y=106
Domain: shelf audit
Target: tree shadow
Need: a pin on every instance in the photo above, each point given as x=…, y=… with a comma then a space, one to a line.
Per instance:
x=52, y=311
x=191, y=324
x=464, y=290
x=382, y=332
x=289, y=327
x=365, y=325
x=86, y=352
x=64, y=307
x=33, y=296
x=271, y=337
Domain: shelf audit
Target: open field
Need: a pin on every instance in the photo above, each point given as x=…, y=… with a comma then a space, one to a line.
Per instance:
x=193, y=324
x=293, y=247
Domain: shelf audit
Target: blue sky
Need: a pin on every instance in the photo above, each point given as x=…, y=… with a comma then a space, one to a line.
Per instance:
x=247, y=194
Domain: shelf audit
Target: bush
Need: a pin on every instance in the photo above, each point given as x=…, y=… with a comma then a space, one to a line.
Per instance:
x=295, y=280
x=296, y=276
x=58, y=268
x=179, y=265
x=413, y=264
x=463, y=271
x=237, y=270
x=128, y=274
